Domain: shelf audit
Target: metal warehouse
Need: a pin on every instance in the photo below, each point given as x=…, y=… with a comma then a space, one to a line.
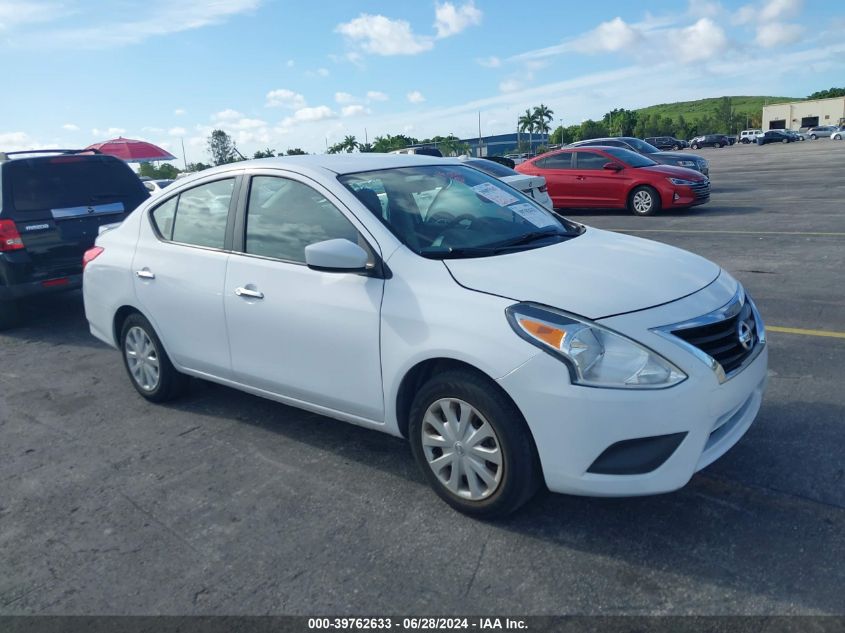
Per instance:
x=804, y=114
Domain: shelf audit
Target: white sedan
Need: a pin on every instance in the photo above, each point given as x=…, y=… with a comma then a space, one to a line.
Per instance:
x=532, y=186
x=420, y=297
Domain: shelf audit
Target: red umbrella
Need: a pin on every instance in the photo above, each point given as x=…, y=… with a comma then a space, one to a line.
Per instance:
x=132, y=151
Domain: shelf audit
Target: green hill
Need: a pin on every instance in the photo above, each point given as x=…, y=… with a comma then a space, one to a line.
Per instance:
x=695, y=110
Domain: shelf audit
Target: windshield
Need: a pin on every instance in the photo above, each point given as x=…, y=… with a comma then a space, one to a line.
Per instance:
x=628, y=157
x=449, y=211
x=641, y=146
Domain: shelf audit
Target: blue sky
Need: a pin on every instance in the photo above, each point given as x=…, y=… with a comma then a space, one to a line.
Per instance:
x=300, y=74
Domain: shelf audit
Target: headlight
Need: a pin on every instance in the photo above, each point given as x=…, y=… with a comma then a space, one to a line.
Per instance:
x=682, y=181
x=686, y=163
x=595, y=355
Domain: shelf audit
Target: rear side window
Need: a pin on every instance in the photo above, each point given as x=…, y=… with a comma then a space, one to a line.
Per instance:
x=558, y=161
x=284, y=216
x=61, y=182
x=492, y=168
x=197, y=216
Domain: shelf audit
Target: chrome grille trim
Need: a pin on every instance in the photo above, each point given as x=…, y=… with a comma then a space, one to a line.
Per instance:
x=728, y=311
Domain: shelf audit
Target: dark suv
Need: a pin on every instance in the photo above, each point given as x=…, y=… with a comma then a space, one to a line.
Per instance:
x=709, y=140
x=667, y=142
x=690, y=161
x=52, y=204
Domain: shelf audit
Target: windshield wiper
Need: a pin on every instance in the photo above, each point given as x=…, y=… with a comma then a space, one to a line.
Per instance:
x=527, y=238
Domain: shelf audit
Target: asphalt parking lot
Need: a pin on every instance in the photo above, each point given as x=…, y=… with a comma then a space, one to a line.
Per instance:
x=227, y=503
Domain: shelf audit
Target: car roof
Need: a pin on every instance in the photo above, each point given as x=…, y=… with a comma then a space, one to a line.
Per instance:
x=324, y=164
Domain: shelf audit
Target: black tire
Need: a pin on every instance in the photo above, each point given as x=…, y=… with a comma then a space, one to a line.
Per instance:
x=813, y=137
x=838, y=137
x=676, y=147
x=10, y=314
x=717, y=145
x=786, y=140
x=520, y=476
x=170, y=383
x=694, y=146
x=655, y=201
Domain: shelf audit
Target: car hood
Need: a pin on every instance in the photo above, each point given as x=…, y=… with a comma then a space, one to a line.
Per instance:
x=673, y=171
x=673, y=156
x=595, y=275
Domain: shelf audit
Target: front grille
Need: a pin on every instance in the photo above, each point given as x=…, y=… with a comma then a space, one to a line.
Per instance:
x=701, y=190
x=729, y=341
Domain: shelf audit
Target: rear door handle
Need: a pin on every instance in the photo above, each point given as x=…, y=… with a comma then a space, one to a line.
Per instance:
x=145, y=273
x=248, y=293
x=580, y=178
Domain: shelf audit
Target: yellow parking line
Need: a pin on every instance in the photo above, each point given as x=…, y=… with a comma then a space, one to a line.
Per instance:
x=814, y=233
x=795, y=330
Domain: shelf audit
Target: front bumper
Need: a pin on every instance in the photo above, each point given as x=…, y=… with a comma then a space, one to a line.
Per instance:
x=573, y=426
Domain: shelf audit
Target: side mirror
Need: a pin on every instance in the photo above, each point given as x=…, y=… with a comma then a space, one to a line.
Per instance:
x=613, y=166
x=339, y=255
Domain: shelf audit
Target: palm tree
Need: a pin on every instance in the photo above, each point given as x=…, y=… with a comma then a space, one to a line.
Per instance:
x=350, y=144
x=527, y=123
x=543, y=115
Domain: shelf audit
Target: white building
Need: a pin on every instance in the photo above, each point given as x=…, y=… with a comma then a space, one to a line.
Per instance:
x=804, y=114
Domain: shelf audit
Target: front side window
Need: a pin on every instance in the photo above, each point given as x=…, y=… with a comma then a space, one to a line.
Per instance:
x=196, y=216
x=448, y=211
x=284, y=216
x=590, y=160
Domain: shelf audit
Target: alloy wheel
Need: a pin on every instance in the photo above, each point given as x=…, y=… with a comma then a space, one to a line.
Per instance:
x=462, y=449
x=142, y=359
x=643, y=202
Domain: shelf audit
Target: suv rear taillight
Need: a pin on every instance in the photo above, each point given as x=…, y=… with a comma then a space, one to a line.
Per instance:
x=91, y=254
x=10, y=239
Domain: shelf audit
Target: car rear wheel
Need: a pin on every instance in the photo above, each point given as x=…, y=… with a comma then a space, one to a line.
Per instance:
x=676, y=147
x=644, y=201
x=838, y=137
x=473, y=445
x=785, y=140
x=694, y=146
x=813, y=136
x=717, y=145
x=149, y=368
x=10, y=314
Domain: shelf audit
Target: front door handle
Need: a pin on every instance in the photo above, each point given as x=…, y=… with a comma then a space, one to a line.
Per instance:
x=145, y=273
x=249, y=293
x=580, y=178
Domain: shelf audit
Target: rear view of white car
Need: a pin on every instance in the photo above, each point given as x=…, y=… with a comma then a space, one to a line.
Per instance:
x=532, y=186
x=423, y=298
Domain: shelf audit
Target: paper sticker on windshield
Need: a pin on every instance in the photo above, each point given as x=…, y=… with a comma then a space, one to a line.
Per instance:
x=495, y=194
x=532, y=214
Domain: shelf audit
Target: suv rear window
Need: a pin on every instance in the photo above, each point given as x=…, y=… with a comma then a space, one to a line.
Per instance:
x=70, y=181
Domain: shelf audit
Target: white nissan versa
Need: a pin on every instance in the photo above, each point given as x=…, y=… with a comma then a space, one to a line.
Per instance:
x=426, y=299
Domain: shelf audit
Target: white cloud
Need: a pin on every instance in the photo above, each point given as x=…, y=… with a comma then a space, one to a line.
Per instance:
x=290, y=63
x=70, y=127
x=111, y=132
x=157, y=19
x=450, y=20
x=285, y=98
x=178, y=112
x=375, y=95
x=247, y=124
x=379, y=35
x=704, y=8
x=613, y=35
x=354, y=110
x=323, y=72
x=15, y=141
x=13, y=14
x=768, y=11
x=777, y=34
x=344, y=97
x=415, y=96
x=176, y=131
x=152, y=130
x=309, y=115
x=489, y=62
x=510, y=85
x=701, y=41
x=227, y=115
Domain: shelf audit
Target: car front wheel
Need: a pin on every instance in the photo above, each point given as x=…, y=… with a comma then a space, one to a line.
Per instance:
x=813, y=137
x=717, y=145
x=694, y=146
x=149, y=368
x=838, y=137
x=473, y=445
x=644, y=201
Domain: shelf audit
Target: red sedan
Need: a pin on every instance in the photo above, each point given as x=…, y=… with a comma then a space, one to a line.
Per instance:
x=616, y=178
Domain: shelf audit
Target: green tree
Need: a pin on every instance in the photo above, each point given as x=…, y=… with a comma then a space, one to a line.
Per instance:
x=296, y=152
x=350, y=144
x=828, y=94
x=194, y=167
x=337, y=148
x=265, y=153
x=166, y=171
x=221, y=148
x=388, y=143
x=592, y=129
x=620, y=122
x=527, y=123
x=724, y=116
x=543, y=115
